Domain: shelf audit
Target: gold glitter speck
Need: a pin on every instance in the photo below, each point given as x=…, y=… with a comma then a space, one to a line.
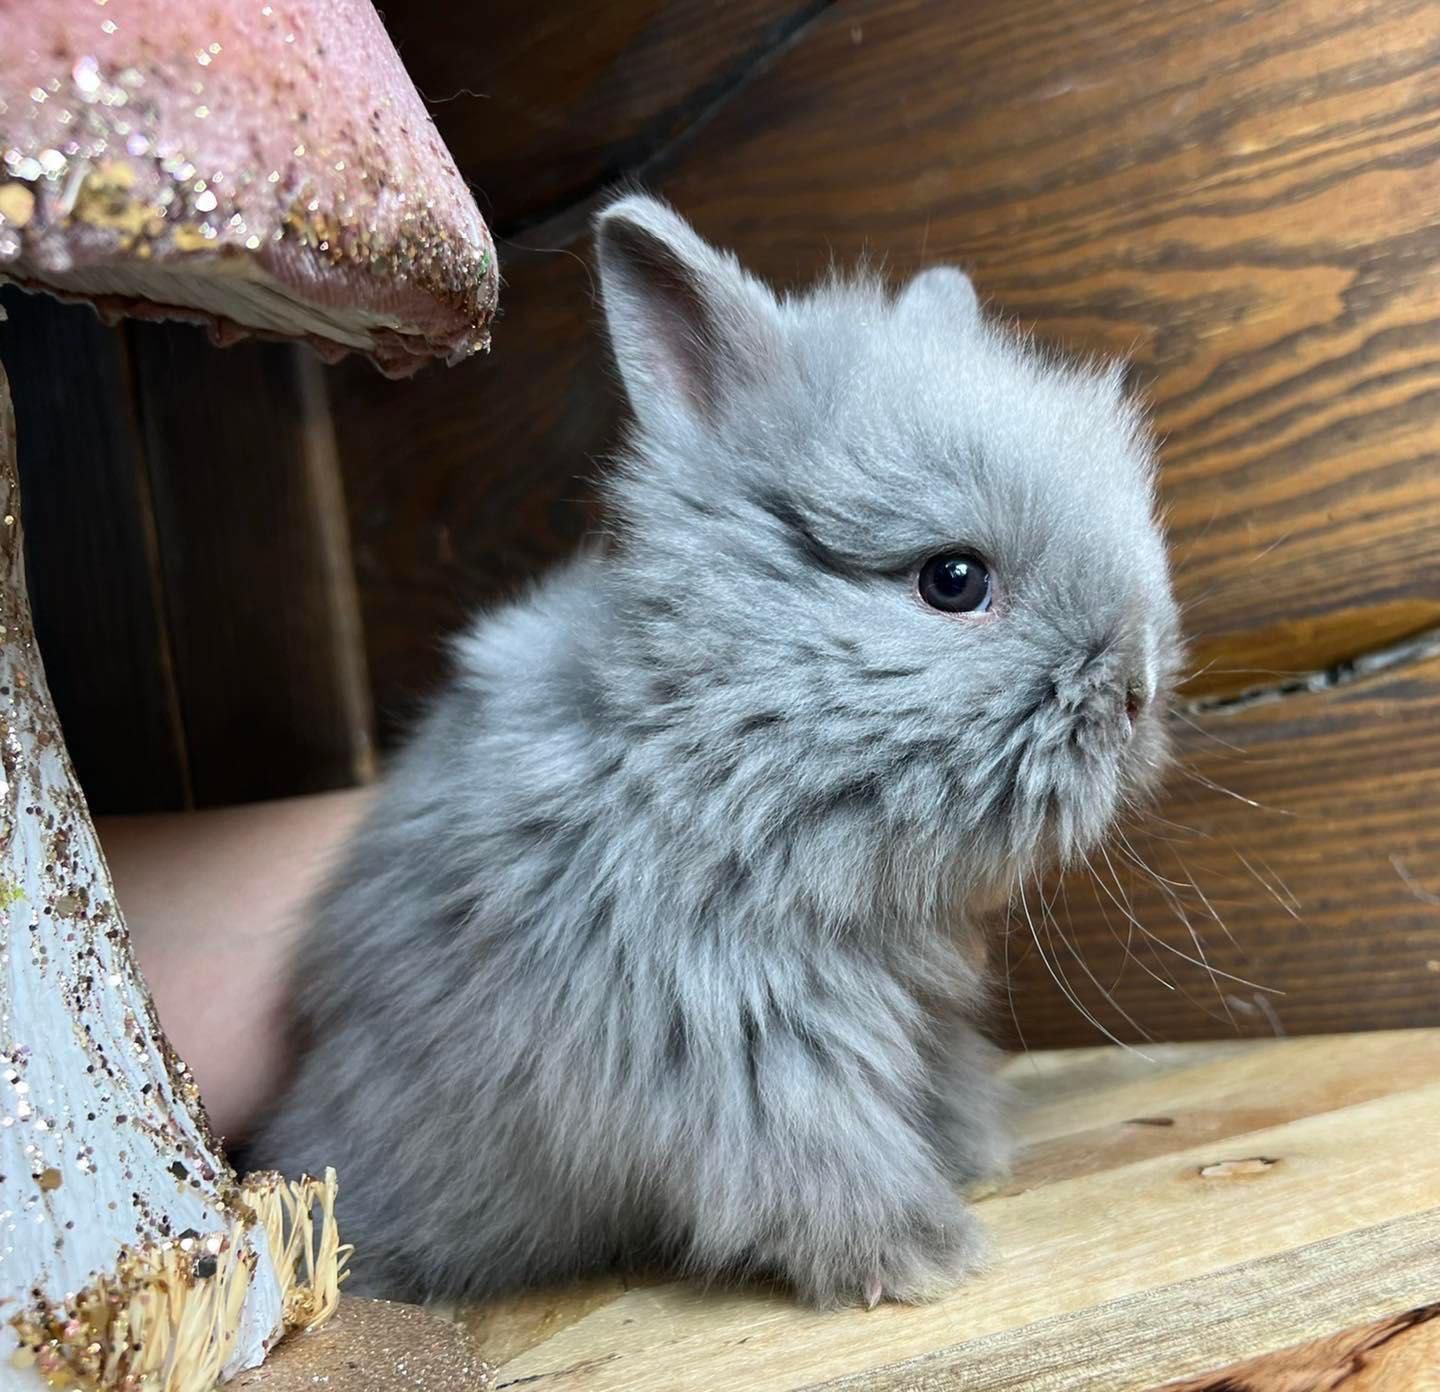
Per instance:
x=51, y=1179
x=17, y=204
x=190, y=238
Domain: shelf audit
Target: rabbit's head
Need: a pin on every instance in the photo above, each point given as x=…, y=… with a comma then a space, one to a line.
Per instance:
x=892, y=575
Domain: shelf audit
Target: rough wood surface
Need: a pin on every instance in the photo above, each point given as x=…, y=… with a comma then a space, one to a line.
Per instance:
x=1400, y=1353
x=1120, y=1266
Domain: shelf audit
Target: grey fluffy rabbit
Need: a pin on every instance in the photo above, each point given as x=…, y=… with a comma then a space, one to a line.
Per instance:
x=658, y=944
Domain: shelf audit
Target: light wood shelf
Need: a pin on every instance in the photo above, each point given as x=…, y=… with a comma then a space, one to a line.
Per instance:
x=1130, y=1250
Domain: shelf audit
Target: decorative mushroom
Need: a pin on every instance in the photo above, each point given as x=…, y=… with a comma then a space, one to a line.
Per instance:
x=259, y=167
x=262, y=168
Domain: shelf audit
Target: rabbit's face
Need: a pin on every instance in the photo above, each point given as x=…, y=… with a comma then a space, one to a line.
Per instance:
x=891, y=559
x=979, y=522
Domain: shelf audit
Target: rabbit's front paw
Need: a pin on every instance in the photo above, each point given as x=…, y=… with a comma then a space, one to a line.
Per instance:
x=914, y=1261
x=926, y=1262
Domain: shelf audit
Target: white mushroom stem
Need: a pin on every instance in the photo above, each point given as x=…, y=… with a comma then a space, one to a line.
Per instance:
x=125, y=1246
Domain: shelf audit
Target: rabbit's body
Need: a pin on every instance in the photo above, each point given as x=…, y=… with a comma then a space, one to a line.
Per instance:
x=651, y=946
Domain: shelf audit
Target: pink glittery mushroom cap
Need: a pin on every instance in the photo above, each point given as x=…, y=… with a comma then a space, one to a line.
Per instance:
x=261, y=166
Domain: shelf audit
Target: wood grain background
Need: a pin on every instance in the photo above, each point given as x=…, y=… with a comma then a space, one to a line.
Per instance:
x=1242, y=197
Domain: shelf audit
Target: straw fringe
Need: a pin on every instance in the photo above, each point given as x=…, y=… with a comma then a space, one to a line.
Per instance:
x=166, y=1320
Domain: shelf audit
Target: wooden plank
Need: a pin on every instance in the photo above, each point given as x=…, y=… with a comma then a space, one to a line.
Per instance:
x=1325, y=1184
x=539, y=110
x=1398, y=1354
x=1109, y=1115
x=255, y=563
x=1128, y=1344
x=1139, y=1272
x=1324, y=866
x=94, y=575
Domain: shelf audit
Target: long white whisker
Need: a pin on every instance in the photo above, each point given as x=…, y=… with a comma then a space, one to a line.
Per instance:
x=1057, y=978
x=1197, y=673
x=1261, y=880
x=1153, y=941
x=1184, y=956
x=1085, y=967
x=1209, y=907
x=1133, y=856
x=1279, y=883
x=1010, y=983
x=1181, y=826
x=1195, y=541
x=1412, y=884
x=1279, y=541
x=1179, y=910
x=1126, y=943
x=1200, y=778
x=1201, y=730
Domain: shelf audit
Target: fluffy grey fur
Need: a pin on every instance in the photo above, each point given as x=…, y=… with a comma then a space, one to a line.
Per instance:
x=654, y=944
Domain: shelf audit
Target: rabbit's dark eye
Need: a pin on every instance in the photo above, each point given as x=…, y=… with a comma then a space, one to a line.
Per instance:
x=957, y=583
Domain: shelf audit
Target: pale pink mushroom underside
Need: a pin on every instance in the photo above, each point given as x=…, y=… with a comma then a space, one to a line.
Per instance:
x=260, y=167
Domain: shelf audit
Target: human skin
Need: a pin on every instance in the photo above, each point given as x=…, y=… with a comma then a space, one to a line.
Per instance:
x=214, y=901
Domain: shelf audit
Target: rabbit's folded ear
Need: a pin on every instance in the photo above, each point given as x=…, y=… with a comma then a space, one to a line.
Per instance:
x=685, y=320
x=943, y=294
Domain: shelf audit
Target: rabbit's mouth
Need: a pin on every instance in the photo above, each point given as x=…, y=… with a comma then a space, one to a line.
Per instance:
x=1078, y=776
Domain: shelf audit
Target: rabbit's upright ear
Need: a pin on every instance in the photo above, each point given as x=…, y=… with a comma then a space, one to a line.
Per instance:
x=686, y=322
x=943, y=294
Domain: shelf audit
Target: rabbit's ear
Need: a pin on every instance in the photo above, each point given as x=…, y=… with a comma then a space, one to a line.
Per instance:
x=685, y=320
x=941, y=293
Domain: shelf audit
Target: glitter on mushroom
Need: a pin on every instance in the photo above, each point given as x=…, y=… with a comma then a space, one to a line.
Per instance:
x=263, y=169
